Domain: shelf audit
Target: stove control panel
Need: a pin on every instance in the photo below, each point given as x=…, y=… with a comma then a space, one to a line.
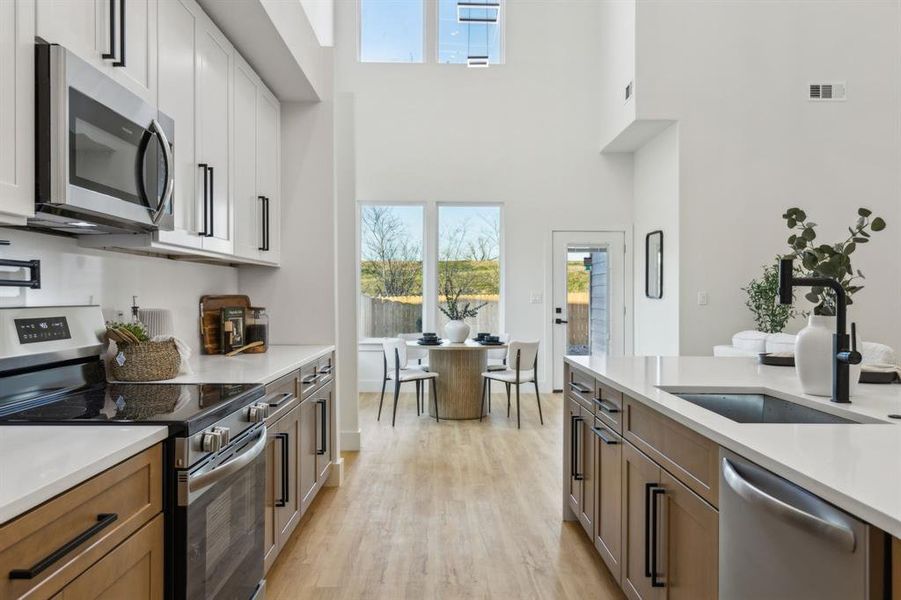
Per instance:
x=42, y=329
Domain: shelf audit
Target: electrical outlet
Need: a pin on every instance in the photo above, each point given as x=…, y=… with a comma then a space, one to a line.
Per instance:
x=535, y=298
x=703, y=298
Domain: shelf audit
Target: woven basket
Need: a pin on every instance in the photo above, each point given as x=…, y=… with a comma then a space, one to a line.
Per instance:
x=145, y=361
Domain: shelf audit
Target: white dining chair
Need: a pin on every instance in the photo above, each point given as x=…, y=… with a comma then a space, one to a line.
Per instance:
x=395, y=350
x=522, y=367
x=497, y=361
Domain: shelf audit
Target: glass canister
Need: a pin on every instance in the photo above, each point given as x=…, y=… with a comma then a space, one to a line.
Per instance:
x=256, y=328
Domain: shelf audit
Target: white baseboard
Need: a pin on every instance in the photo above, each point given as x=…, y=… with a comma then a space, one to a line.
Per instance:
x=350, y=441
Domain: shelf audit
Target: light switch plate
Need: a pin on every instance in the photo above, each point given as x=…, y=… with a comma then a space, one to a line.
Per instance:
x=535, y=298
x=703, y=298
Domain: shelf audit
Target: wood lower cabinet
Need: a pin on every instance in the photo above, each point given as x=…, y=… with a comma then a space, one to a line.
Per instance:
x=608, y=496
x=133, y=570
x=646, y=497
x=324, y=399
x=640, y=476
x=283, y=501
x=309, y=424
x=688, y=543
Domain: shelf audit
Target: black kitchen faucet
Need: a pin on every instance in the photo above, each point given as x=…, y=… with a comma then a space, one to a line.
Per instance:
x=842, y=355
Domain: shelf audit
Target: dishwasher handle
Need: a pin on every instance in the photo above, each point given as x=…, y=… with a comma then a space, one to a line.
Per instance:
x=840, y=535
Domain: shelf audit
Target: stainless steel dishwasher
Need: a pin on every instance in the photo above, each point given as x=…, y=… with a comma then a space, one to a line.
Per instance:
x=779, y=541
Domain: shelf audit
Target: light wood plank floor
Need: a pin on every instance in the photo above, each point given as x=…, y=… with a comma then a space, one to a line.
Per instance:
x=445, y=510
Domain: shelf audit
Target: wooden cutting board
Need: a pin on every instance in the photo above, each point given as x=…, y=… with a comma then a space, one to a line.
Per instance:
x=210, y=319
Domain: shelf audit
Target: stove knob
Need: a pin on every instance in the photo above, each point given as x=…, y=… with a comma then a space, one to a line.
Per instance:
x=257, y=412
x=211, y=441
x=224, y=436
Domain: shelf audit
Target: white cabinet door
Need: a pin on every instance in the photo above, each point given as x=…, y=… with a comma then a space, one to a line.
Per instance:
x=16, y=111
x=75, y=24
x=93, y=29
x=177, y=81
x=248, y=224
x=268, y=171
x=214, y=69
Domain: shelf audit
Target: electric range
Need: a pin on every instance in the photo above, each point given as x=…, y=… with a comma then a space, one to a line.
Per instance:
x=52, y=372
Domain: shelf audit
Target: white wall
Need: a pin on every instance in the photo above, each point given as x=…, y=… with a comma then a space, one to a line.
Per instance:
x=656, y=172
x=750, y=144
x=616, y=35
x=321, y=16
x=74, y=275
x=524, y=133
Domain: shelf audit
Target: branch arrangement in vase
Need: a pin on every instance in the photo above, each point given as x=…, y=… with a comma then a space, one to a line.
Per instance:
x=829, y=260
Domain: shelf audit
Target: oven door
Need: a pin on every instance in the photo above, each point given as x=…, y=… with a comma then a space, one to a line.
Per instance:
x=220, y=522
x=110, y=152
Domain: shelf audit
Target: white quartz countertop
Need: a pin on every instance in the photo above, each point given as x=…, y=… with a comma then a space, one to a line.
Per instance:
x=250, y=368
x=857, y=467
x=39, y=462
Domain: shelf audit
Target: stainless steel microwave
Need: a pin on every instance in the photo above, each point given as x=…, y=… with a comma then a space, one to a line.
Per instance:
x=104, y=155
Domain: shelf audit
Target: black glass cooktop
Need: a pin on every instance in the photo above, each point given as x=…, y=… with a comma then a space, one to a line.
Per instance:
x=185, y=408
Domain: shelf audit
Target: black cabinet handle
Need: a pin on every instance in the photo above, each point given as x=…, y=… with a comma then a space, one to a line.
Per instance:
x=212, y=201
x=574, y=447
x=323, y=424
x=121, y=61
x=606, y=406
x=205, y=168
x=648, y=488
x=263, y=217
x=103, y=521
x=579, y=387
x=325, y=370
x=657, y=491
x=282, y=398
x=602, y=433
x=284, y=495
x=268, y=224
x=309, y=379
x=112, y=32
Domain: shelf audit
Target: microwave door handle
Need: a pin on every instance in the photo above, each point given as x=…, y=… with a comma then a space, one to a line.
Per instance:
x=166, y=196
x=111, y=55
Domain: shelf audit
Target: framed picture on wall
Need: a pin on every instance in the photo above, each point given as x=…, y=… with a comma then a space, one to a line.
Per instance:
x=653, y=265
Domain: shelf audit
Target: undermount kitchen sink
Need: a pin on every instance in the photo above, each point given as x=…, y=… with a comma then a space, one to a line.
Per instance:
x=759, y=408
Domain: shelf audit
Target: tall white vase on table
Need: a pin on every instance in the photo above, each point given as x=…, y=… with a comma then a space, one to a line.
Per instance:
x=456, y=331
x=813, y=357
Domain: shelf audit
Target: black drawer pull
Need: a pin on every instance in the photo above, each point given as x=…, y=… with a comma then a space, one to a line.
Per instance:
x=280, y=399
x=602, y=433
x=309, y=379
x=324, y=428
x=325, y=370
x=579, y=387
x=574, y=448
x=606, y=406
x=120, y=62
x=657, y=491
x=103, y=521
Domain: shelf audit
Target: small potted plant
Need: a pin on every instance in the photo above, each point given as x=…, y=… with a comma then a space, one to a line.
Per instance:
x=769, y=315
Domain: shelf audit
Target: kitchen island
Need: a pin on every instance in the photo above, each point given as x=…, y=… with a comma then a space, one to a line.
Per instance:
x=642, y=465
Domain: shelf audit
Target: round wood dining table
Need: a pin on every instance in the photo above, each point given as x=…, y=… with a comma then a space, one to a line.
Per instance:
x=459, y=368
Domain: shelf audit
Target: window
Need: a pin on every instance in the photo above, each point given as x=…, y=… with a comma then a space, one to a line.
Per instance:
x=457, y=42
x=469, y=267
x=391, y=278
x=391, y=31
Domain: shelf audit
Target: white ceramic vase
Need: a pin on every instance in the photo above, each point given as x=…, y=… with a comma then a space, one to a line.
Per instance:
x=813, y=357
x=456, y=331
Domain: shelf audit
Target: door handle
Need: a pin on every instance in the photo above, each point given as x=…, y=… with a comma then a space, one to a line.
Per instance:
x=263, y=219
x=121, y=61
x=204, y=166
x=283, y=496
x=574, y=448
x=559, y=321
x=606, y=406
x=323, y=428
x=268, y=224
x=211, y=233
x=604, y=437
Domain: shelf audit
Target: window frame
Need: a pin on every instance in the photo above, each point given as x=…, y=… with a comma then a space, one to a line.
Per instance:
x=430, y=234
x=424, y=40
x=502, y=32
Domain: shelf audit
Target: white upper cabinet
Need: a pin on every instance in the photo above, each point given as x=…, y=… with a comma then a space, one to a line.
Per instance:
x=214, y=55
x=177, y=94
x=256, y=167
x=117, y=36
x=16, y=111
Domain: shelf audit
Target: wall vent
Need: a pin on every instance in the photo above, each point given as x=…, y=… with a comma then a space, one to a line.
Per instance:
x=826, y=92
x=629, y=90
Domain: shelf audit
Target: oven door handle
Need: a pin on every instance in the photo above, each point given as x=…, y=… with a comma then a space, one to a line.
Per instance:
x=166, y=196
x=240, y=461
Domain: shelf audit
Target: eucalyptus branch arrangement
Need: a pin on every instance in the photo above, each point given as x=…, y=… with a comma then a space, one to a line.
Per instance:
x=769, y=315
x=829, y=260
x=453, y=310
